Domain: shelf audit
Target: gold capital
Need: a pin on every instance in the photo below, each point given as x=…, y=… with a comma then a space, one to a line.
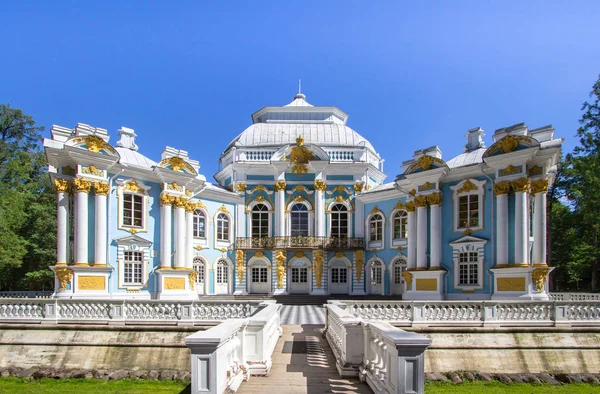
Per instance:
x=421, y=201
x=62, y=186
x=320, y=185
x=180, y=202
x=502, y=188
x=82, y=186
x=241, y=187
x=520, y=185
x=410, y=206
x=101, y=188
x=539, y=186
x=279, y=186
x=358, y=187
x=434, y=199
x=166, y=199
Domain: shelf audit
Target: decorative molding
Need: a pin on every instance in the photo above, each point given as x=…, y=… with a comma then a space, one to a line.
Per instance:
x=410, y=206
x=427, y=186
x=536, y=170
x=375, y=210
x=407, y=279
x=502, y=188
x=434, y=199
x=510, y=284
x=174, y=283
x=91, y=170
x=132, y=187
x=279, y=185
x=318, y=262
x=241, y=187
x=174, y=186
x=91, y=282
x=538, y=277
x=192, y=279
x=280, y=260
x=180, y=202
x=64, y=277
x=300, y=156
x=240, y=259
x=426, y=284
x=510, y=170
x=468, y=186
x=101, y=188
x=320, y=185
x=358, y=187
x=259, y=254
x=223, y=209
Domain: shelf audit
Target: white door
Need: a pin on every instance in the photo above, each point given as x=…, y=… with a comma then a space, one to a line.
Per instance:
x=222, y=279
x=397, y=280
x=199, y=267
x=259, y=280
x=376, y=278
x=299, y=281
x=339, y=280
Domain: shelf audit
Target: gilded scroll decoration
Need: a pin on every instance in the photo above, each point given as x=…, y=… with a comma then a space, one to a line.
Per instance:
x=466, y=187
x=300, y=156
x=318, y=262
x=320, y=185
x=64, y=276
x=101, y=188
x=280, y=260
x=279, y=186
x=538, y=276
x=240, y=259
x=192, y=279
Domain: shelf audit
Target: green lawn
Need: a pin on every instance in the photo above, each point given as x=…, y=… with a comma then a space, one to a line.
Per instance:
x=497, y=387
x=90, y=386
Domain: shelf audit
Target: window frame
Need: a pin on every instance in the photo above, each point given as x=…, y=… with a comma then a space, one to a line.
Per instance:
x=196, y=215
x=310, y=217
x=468, y=244
x=143, y=193
x=133, y=243
x=330, y=219
x=377, y=243
x=478, y=193
x=133, y=264
x=223, y=243
x=394, y=242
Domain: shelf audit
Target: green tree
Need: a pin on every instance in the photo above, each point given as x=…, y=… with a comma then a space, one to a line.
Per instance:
x=27, y=201
x=583, y=190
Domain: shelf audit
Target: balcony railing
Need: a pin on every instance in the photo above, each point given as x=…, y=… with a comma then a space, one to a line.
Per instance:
x=299, y=242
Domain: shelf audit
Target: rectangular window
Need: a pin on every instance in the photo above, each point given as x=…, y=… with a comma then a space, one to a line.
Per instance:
x=397, y=274
x=133, y=210
x=468, y=211
x=468, y=269
x=132, y=266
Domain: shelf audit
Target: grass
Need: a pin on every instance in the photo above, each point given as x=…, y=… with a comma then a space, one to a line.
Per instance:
x=90, y=386
x=514, y=388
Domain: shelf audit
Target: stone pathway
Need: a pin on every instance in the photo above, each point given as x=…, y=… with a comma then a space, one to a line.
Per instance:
x=302, y=314
x=302, y=363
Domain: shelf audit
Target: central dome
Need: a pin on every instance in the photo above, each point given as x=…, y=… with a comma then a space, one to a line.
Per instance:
x=280, y=126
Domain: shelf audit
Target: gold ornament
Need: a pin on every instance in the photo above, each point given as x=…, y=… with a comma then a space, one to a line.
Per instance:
x=190, y=206
x=133, y=187
x=434, y=199
x=174, y=186
x=81, y=185
x=200, y=205
x=359, y=259
x=535, y=170
x=426, y=186
x=510, y=170
x=279, y=186
x=407, y=279
x=223, y=209
x=101, y=188
x=413, y=192
x=375, y=210
x=62, y=186
x=468, y=186
x=240, y=259
x=241, y=187
x=177, y=163
x=538, y=276
x=520, y=185
x=192, y=279
x=508, y=144
x=280, y=259
x=358, y=187
x=94, y=144
x=180, y=202
x=259, y=254
x=300, y=156
x=91, y=170
x=339, y=199
x=539, y=186
x=399, y=205
x=64, y=276
x=259, y=188
x=318, y=261
x=320, y=185
x=502, y=188
x=425, y=162
x=421, y=201
x=166, y=199
x=410, y=206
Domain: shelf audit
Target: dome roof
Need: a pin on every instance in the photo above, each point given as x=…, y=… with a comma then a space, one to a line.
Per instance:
x=280, y=126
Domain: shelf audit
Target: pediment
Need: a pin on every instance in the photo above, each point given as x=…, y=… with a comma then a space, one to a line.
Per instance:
x=133, y=240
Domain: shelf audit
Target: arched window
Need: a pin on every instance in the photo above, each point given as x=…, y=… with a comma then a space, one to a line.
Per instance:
x=222, y=227
x=222, y=272
x=339, y=221
x=299, y=220
x=376, y=273
x=376, y=228
x=400, y=223
x=199, y=267
x=199, y=224
x=260, y=221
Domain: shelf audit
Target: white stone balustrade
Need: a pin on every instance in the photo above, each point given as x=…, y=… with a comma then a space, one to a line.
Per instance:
x=478, y=313
x=390, y=360
x=26, y=294
x=226, y=355
x=575, y=296
x=21, y=310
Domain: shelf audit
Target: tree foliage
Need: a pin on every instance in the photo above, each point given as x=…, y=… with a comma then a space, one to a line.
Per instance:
x=27, y=203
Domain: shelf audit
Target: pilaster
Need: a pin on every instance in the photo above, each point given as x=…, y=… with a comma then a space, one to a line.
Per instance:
x=82, y=190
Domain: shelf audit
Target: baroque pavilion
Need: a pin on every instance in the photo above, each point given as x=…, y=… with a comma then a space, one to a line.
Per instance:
x=300, y=207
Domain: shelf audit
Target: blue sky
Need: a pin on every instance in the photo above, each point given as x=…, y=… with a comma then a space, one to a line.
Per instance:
x=190, y=74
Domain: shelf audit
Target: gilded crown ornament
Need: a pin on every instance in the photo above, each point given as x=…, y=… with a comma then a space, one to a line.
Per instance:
x=300, y=156
x=81, y=185
x=94, y=144
x=358, y=187
x=501, y=188
x=320, y=185
x=279, y=186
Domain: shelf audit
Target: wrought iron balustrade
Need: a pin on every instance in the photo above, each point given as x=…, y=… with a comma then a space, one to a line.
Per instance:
x=299, y=242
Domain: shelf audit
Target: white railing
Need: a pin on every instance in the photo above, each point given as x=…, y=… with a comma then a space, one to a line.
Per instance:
x=575, y=296
x=389, y=359
x=21, y=310
x=341, y=155
x=477, y=313
x=26, y=294
x=259, y=155
x=226, y=355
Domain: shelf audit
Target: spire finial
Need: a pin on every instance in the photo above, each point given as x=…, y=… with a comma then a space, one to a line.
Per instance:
x=299, y=86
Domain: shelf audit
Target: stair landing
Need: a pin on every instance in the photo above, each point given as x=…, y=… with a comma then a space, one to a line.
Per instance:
x=303, y=363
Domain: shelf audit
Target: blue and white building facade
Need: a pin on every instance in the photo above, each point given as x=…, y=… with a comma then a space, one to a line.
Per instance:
x=300, y=207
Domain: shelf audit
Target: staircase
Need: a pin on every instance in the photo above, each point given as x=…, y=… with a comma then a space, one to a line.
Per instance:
x=302, y=299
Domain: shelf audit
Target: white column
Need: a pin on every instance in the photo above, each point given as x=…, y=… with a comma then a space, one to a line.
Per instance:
x=62, y=221
x=165, y=230
x=521, y=187
x=412, y=236
x=82, y=189
x=280, y=208
x=435, y=249
x=501, y=189
x=189, y=235
x=422, y=238
x=100, y=234
x=539, y=188
x=320, y=208
x=359, y=219
x=180, y=250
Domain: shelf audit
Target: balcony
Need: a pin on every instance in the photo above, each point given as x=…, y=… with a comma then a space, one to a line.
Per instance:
x=299, y=242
